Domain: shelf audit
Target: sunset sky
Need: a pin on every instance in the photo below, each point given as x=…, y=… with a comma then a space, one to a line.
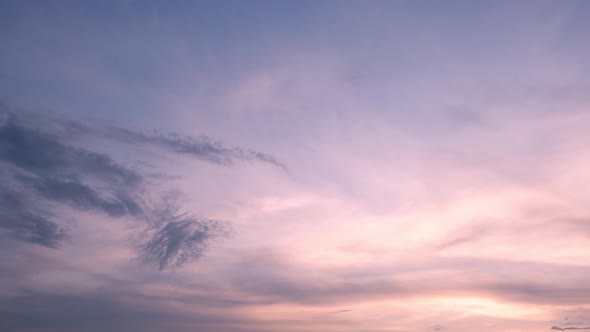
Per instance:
x=294, y=166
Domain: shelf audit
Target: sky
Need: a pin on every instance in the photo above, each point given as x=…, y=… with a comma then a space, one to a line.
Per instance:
x=294, y=166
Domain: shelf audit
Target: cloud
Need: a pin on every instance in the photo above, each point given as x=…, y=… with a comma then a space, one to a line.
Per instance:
x=280, y=280
x=569, y=328
x=34, y=229
x=40, y=170
x=201, y=147
x=43, y=171
x=177, y=238
x=25, y=219
x=103, y=310
x=342, y=311
x=470, y=235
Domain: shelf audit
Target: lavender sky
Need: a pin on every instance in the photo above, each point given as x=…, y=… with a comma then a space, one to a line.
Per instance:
x=294, y=166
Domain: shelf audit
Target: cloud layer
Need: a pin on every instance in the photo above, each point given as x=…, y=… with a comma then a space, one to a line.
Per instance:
x=425, y=166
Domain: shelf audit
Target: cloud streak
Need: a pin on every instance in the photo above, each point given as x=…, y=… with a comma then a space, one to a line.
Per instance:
x=558, y=328
x=201, y=147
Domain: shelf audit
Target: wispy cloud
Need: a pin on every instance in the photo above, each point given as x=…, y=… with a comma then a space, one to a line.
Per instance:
x=201, y=147
x=569, y=328
x=42, y=171
x=175, y=238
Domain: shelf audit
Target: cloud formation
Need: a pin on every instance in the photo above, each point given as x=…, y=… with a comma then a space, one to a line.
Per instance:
x=569, y=328
x=40, y=170
x=176, y=238
x=42, y=173
x=437, y=178
x=27, y=223
x=201, y=147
